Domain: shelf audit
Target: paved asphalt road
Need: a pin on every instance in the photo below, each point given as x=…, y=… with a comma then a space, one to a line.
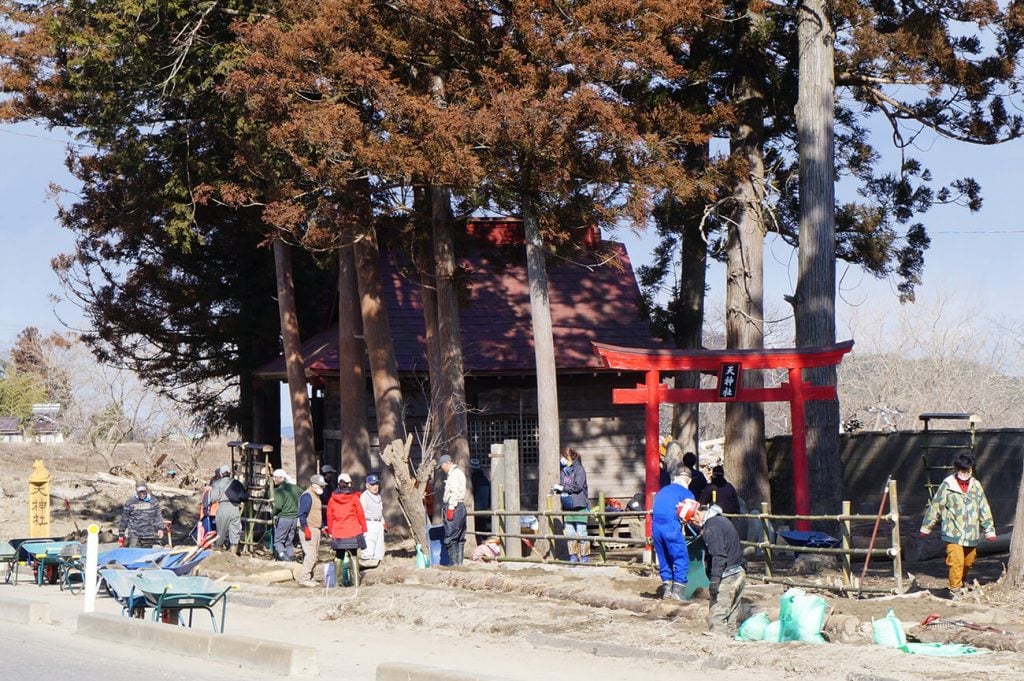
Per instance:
x=47, y=652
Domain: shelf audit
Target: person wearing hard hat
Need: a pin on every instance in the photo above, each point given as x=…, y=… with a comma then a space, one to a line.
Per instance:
x=373, y=509
x=286, y=515
x=142, y=523
x=673, y=507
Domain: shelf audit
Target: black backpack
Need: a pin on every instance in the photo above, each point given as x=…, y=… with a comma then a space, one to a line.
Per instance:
x=236, y=492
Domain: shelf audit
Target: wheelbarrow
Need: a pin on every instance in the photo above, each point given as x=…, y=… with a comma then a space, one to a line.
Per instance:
x=169, y=597
x=9, y=558
x=119, y=584
x=45, y=557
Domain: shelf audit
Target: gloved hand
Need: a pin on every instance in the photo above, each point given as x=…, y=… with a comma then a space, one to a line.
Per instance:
x=450, y=514
x=120, y=541
x=557, y=488
x=308, y=534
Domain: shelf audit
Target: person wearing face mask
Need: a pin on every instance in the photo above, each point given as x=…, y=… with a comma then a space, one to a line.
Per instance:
x=575, y=497
x=961, y=506
x=142, y=523
x=310, y=524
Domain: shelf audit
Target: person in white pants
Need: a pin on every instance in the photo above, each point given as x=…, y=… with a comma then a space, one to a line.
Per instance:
x=373, y=509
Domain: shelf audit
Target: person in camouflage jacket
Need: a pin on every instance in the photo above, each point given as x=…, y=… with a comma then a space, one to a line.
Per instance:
x=141, y=519
x=961, y=506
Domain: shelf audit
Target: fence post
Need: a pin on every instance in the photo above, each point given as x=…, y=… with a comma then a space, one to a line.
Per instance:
x=498, y=492
x=897, y=550
x=847, y=531
x=600, y=526
x=766, y=527
x=514, y=549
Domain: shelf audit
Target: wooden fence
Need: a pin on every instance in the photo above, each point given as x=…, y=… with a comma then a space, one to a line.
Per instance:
x=506, y=525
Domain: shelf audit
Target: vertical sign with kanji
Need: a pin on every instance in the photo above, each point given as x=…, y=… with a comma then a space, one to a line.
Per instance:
x=39, y=501
x=729, y=380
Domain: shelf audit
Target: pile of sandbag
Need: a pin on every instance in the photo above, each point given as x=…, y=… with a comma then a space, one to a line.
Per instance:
x=801, y=617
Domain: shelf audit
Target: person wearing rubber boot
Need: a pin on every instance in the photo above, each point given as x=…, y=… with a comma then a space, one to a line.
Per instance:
x=673, y=505
x=725, y=565
x=454, y=520
x=962, y=507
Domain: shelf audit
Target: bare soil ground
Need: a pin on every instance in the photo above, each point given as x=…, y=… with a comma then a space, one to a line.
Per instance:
x=511, y=620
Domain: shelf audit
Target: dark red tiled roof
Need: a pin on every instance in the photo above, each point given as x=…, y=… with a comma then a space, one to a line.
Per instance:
x=593, y=298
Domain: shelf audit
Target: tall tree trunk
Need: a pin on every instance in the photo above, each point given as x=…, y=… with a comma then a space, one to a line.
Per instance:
x=815, y=300
x=387, y=390
x=435, y=438
x=266, y=417
x=544, y=351
x=688, y=308
x=453, y=386
x=355, y=440
x=1015, y=565
x=302, y=420
x=745, y=455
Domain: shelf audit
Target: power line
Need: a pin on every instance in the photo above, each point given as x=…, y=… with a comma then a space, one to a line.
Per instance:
x=47, y=138
x=976, y=232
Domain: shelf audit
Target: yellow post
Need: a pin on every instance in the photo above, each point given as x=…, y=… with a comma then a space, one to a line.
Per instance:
x=39, y=501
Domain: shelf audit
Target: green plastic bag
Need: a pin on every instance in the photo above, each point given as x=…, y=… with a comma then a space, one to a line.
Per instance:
x=943, y=649
x=773, y=632
x=888, y=631
x=753, y=628
x=802, y=616
x=422, y=560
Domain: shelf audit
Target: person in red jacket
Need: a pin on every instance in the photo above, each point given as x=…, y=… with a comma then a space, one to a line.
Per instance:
x=346, y=523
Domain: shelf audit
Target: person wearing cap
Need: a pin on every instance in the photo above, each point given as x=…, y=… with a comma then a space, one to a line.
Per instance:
x=723, y=559
x=330, y=474
x=310, y=524
x=142, y=523
x=962, y=507
x=720, y=492
x=673, y=507
x=373, y=510
x=285, y=514
x=454, y=520
x=228, y=494
x=346, y=523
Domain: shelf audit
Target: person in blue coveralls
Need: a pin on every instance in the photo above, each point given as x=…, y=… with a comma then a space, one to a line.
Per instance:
x=674, y=505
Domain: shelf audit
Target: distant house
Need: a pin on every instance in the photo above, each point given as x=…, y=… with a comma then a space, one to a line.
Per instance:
x=45, y=430
x=593, y=297
x=10, y=431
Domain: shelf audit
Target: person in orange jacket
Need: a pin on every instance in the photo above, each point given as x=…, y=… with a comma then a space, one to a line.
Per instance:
x=346, y=522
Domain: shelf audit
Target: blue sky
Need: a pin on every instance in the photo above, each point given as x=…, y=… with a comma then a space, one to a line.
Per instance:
x=979, y=254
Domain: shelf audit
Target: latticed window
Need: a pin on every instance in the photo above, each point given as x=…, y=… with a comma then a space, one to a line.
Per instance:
x=484, y=432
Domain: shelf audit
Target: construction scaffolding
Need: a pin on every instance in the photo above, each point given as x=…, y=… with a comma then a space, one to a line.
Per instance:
x=250, y=465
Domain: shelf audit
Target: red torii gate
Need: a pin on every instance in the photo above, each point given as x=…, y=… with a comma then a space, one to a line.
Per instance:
x=728, y=364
